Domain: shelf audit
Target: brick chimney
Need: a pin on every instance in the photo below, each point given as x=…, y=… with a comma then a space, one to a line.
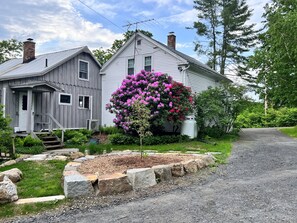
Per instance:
x=171, y=40
x=28, y=51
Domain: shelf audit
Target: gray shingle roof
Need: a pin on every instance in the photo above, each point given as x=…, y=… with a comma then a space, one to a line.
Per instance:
x=15, y=68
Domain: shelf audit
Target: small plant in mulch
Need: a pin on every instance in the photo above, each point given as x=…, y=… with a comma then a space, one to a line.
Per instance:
x=140, y=122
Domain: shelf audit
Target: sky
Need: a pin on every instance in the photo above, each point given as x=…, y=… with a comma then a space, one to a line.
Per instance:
x=63, y=24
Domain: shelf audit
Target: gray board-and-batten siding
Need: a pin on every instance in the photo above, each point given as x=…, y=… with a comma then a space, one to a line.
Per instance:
x=65, y=77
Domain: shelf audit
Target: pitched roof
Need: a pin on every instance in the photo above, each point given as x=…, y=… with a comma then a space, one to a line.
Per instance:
x=183, y=57
x=15, y=68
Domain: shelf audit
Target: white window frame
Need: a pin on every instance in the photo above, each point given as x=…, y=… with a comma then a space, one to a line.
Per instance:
x=61, y=103
x=128, y=65
x=83, y=79
x=80, y=95
x=151, y=61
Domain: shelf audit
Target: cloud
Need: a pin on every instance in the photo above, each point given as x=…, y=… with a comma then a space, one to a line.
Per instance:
x=258, y=10
x=184, y=45
x=52, y=22
x=184, y=18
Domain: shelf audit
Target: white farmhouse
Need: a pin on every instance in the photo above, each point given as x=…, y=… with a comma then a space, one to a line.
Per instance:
x=143, y=53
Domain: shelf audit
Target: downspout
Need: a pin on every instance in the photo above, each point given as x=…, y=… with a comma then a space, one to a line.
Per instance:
x=91, y=111
x=184, y=74
x=4, y=101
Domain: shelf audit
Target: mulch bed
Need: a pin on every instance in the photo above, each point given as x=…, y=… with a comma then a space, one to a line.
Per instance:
x=104, y=165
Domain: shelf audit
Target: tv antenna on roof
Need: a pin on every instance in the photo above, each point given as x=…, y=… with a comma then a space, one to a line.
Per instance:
x=136, y=23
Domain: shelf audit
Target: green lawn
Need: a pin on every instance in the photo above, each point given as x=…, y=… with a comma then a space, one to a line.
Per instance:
x=39, y=179
x=290, y=131
x=44, y=178
x=222, y=146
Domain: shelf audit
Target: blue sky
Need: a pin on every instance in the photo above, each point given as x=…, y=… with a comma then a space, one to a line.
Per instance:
x=63, y=24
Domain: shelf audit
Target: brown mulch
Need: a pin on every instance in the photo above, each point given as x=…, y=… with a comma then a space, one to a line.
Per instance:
x=104, y=165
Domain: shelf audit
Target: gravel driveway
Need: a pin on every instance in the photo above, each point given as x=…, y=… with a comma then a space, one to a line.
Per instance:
x=258, y=185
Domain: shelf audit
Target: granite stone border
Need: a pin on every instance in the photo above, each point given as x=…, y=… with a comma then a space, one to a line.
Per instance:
x=76, y=184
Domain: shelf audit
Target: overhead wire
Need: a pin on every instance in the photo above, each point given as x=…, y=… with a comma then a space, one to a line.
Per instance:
x=89, y=7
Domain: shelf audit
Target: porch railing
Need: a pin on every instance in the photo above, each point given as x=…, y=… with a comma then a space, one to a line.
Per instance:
x=52, y=119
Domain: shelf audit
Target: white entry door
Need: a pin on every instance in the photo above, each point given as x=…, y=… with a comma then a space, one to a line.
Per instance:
x=23, y=111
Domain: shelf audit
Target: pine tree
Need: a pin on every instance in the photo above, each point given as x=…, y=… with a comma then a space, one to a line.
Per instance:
x=224, y=24
x=208, y=10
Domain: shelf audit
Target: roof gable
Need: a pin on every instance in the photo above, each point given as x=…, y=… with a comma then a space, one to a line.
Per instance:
x=16, y=69
x=185, y=59
x=125, y=46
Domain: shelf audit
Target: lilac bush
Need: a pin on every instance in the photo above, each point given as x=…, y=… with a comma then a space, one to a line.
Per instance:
x=153, y=89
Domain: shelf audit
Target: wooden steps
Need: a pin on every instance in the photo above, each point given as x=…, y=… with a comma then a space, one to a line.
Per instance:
x=49, y=140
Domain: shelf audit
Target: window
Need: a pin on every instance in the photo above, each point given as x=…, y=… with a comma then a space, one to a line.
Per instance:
x=148, y=63
x=83, y=70
x=139, y=42
x=24, y=103
x=84, y=101
x=130, y=66
x=65, y=99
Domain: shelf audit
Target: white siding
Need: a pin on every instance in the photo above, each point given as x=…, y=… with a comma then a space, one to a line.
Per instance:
x=199, y=82
x=117, y=70
x=162, y=61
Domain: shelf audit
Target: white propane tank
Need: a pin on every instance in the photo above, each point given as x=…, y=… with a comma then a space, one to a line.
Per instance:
x=189, y=127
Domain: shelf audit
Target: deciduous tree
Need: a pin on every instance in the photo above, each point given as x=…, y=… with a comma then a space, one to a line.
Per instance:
x=10, y=49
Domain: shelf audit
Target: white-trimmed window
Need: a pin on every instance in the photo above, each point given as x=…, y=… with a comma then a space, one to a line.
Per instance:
x=84, y=101
x=130, y=66
x=83, y=70
x=65, y=99
x=148, y=63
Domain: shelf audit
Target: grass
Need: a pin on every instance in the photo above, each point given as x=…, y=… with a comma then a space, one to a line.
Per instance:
x=223, y=146
x=290, y=131
x=39, y=179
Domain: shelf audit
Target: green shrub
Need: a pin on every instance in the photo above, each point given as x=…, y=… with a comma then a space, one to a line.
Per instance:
x=76, y=138
x=214, y=132
x=274, y=118
x=109, y=130
x=95, y=149
x=30, y=150
x=5, y=131
x=121, y=139
x=86, y=132
x=30, y=141
x=69, y=134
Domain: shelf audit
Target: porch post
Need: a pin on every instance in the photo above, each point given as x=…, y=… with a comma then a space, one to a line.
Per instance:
x=29, y=111
x=51, y=111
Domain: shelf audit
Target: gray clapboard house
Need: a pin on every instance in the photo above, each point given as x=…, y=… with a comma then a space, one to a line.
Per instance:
x=54, y=90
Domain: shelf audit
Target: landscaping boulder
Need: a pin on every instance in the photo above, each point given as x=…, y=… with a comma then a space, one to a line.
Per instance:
x=91, y=177
x=141, y=177
x=8, y=163
x=209, y=159
x=200, y=163
x=77, y=186
x=1, y=177
x=76, y=155
x=190, y=166
x=177, y=170
x=14, y=174
x=114, y=184
x=72, y=166
x=8, y=191
x=163, y=172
